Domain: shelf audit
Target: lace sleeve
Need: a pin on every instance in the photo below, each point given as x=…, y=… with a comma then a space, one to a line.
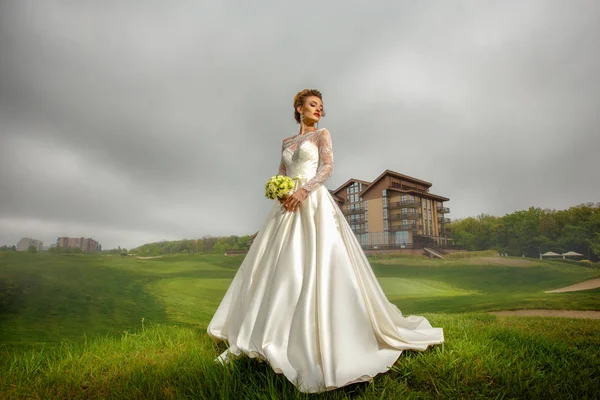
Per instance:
x=325, y=168
x=282, y=169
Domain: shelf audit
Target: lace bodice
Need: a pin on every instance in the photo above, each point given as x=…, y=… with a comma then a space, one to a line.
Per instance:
x=308, y=156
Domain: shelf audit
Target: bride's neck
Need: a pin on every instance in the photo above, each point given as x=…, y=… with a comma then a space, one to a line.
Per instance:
x=304, y=129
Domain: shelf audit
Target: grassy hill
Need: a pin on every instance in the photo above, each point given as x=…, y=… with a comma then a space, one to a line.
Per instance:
x=98, y=302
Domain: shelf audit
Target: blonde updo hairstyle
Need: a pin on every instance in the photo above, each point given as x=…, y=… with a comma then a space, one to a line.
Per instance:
x=300, y=98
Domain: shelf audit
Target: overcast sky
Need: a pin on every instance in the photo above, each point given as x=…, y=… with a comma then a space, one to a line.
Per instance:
x=131, y=122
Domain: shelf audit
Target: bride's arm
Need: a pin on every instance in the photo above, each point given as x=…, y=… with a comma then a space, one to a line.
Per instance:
x=282, y=169
x=325, y=168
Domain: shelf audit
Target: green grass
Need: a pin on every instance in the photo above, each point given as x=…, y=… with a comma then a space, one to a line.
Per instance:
x=71, y=327
x=471, y=254
x=484, y=357
x=489, y=287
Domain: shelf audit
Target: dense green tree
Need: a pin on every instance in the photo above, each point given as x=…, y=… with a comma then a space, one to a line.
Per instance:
x=533, y=231
x=208, y=244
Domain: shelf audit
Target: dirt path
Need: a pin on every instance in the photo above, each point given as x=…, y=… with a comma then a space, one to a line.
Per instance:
x=551, y=313
x=147, y=258
x=591, y=284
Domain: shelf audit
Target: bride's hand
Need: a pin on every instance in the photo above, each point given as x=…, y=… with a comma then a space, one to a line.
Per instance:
x=292, y=202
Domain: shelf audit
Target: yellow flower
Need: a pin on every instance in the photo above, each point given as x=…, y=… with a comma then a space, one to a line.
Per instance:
x=278, y=186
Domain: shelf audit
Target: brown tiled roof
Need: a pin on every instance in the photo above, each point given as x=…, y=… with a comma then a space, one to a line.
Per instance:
x=396, y=174
x=420, y=194
x=349, y=181
x=336, y=197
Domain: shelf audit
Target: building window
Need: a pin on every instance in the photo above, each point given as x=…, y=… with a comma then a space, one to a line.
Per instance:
x=386, y=225
x=385, y=214
x=401, y=238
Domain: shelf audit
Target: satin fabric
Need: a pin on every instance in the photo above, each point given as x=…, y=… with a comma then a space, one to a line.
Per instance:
x=306, y=300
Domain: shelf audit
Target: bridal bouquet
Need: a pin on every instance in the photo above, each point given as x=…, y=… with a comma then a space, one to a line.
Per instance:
x=278, y=186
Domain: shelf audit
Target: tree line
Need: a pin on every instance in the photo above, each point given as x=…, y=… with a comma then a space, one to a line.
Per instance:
x=207, y=244
x=533, y=231
x=526, y=232
x=30, y=249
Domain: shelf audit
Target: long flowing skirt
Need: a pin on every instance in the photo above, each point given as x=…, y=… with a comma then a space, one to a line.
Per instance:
x=306, y=300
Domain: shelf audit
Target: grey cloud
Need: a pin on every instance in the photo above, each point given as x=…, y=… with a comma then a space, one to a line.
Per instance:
x=179, y=109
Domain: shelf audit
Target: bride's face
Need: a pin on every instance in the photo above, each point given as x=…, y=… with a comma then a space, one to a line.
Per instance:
x=312, y=110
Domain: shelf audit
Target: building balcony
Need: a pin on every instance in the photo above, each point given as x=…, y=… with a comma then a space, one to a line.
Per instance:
x=359, y=231
x=360, y=220
x=404, y=204
x=407, y=187
x=443, y=210
x=355, y=210
x=409, y=227
x=444, y=221
x=406, y=216
x=445, y=228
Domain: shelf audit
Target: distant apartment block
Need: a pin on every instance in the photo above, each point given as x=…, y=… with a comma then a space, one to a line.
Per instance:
x=85, y=244
x=24, y=244
x=394, y=211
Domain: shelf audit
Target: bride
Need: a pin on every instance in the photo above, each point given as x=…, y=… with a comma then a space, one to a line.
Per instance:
x=305, y=298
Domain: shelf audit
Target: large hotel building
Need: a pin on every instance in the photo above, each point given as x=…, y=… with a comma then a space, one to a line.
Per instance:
x=394, y=211
x=85, y=244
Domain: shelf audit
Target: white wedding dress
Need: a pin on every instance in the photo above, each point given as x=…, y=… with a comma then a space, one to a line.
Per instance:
x=305, y=298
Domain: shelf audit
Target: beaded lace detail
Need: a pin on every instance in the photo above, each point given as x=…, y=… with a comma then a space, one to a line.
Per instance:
x=308, y=156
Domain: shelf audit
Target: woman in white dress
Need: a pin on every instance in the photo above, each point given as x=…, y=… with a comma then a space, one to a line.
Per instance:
x=305, y=298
